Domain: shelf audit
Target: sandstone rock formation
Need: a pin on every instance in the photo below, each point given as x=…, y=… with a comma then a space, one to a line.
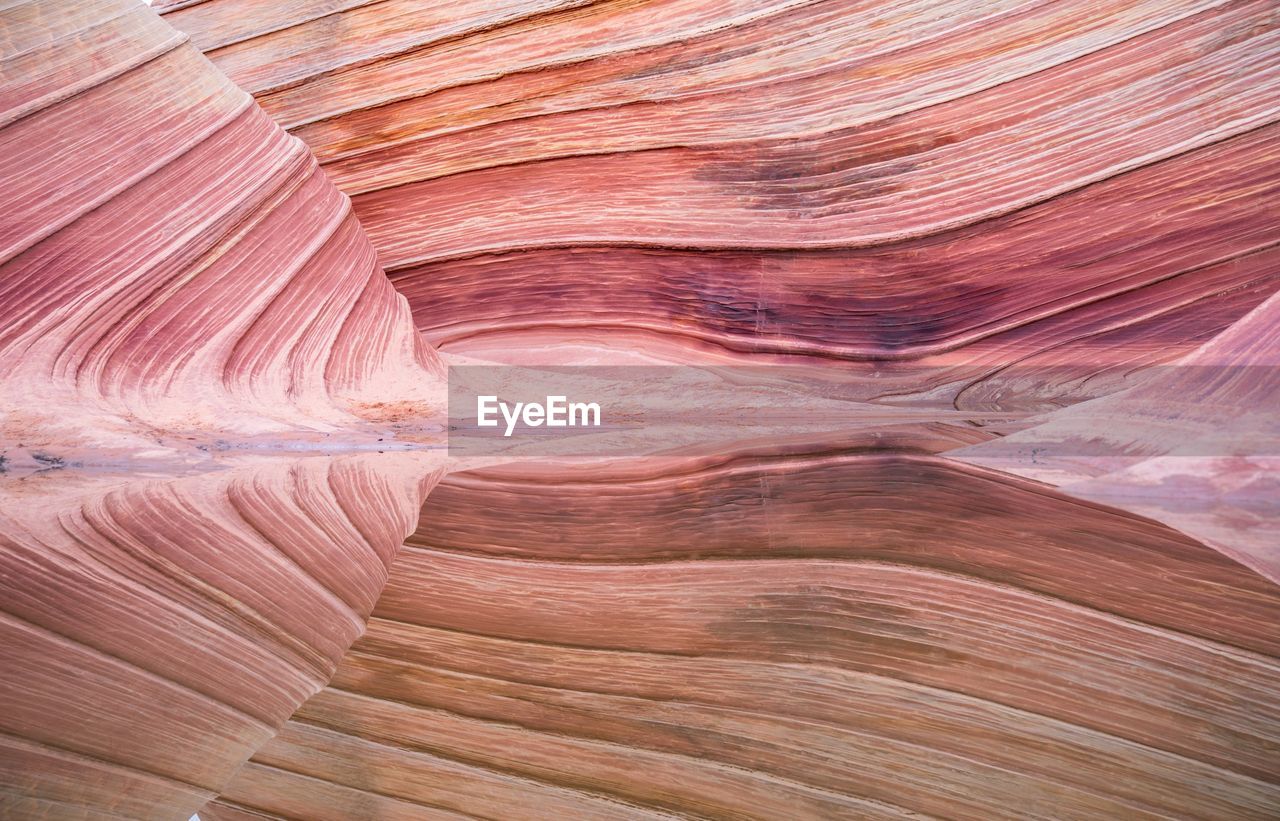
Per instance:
x=170, y=257
x=1002, y=543
x=966, y=214
x=833, y=179
x=156, y=632
x=1196, y=445
x=863, y=637
x=186, y=305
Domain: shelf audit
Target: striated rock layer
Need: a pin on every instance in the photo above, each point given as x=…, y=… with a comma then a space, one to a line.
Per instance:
x=158, y=631
x=169, y=258
x=1196, y=446
x=845, y=180
x=946, y=216
x=940, y=210
x=862, y=637
x=182, y=293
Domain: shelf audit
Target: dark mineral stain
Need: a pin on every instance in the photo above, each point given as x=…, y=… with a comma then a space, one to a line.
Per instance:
x=50, y=461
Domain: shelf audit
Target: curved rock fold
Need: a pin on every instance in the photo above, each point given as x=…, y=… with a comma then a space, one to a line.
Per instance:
x=962, y=318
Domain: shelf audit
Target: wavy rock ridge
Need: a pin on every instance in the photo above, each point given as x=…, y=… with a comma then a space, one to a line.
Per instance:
x=157, y=632
x=1008, y=207
x=1042, y=231
x=182, y=292
x=1196, y=446
x=833, y=179
x=170, y=257
x=861, y=637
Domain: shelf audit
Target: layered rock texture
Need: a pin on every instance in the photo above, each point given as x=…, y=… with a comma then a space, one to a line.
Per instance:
x=158, y=631
x=838, y=179
x=977, y=216
x=836, y=637
x=1196, y=445
x=182, y=294
x=1000, y=543
x=171, y=258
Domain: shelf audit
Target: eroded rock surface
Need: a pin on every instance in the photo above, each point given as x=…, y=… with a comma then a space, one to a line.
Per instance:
x=854, y=637
x=1016, y=559
x=169, y=258
x=188, y=308
x=846, y=180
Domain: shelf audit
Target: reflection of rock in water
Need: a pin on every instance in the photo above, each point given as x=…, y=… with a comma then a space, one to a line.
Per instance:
x=944, y=215
x=157, y=631
x=1196, y=445
x=181, y=290
x=850, y=636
